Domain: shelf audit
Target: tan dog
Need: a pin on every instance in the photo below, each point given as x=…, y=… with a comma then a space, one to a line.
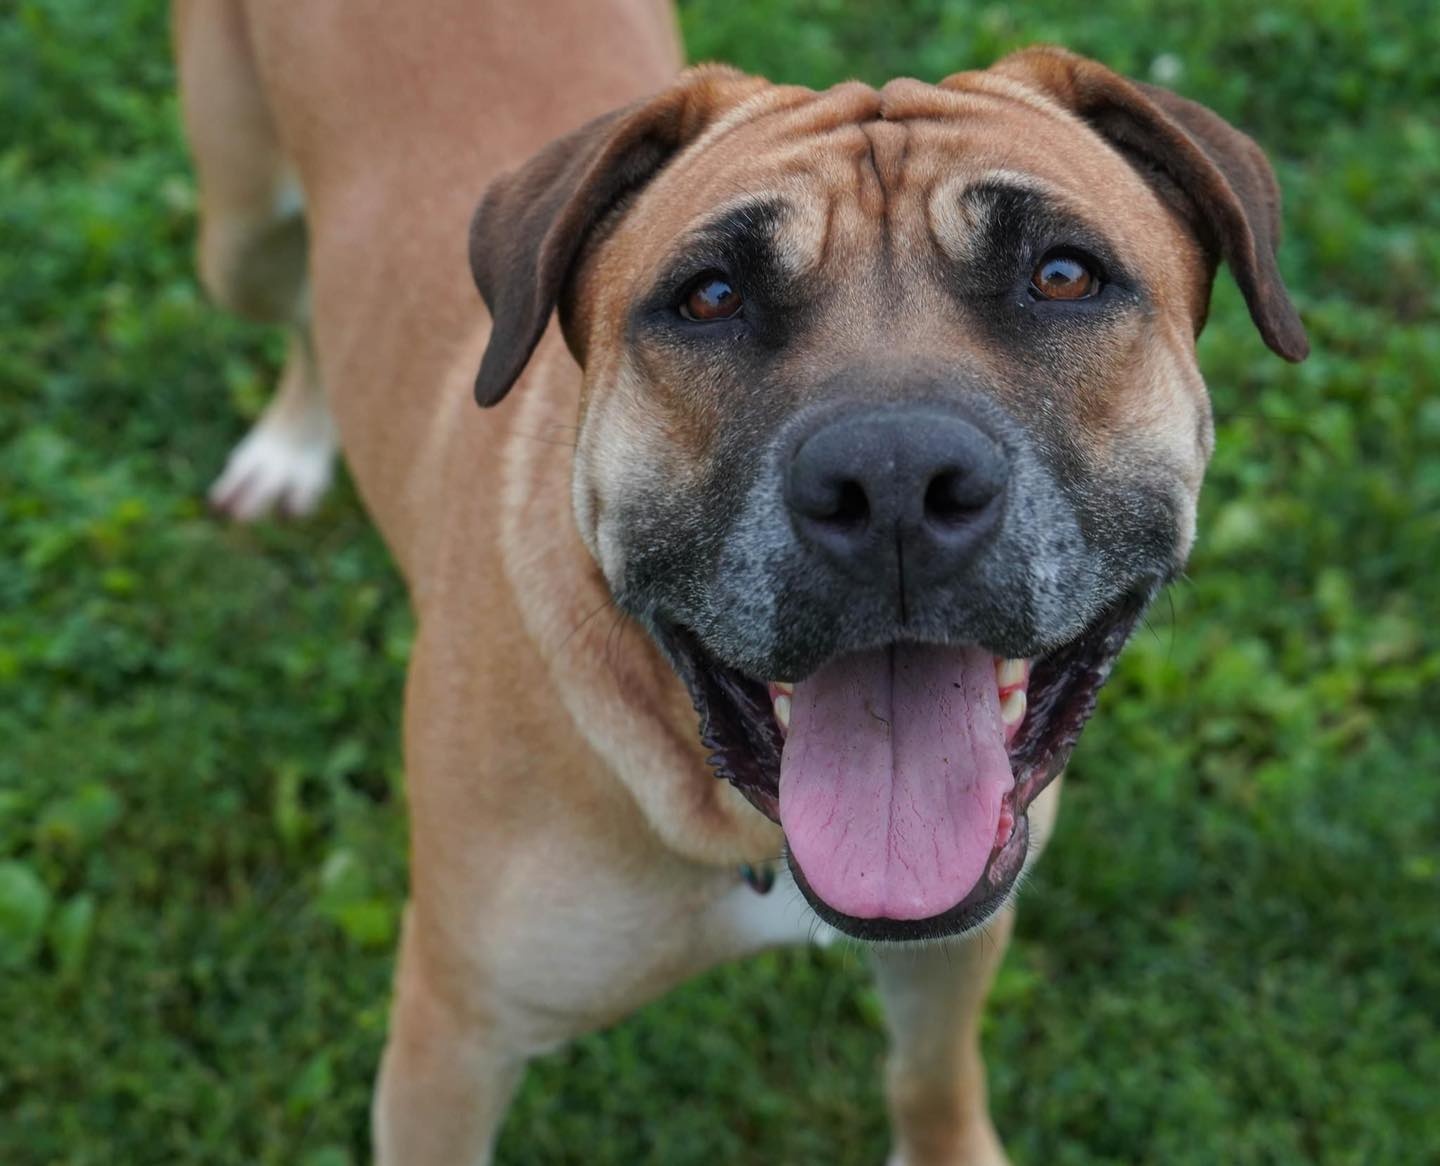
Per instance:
x=875, y=419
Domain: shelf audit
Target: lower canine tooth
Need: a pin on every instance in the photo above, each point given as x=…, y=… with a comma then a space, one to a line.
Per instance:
x=1012, y=710
x=782, y=710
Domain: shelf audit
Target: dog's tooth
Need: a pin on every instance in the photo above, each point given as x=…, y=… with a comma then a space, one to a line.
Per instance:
x=1012, y=708
x=782, y=710
x=781, y=686
x=1009, y=673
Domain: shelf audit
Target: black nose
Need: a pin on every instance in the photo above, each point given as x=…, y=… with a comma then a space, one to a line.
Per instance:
x=909, y=489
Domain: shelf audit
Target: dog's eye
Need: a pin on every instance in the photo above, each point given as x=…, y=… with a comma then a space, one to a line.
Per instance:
x=1063, y=276
x=711, y=297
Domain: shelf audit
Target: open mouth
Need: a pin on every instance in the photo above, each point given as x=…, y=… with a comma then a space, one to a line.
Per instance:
x=902, y=776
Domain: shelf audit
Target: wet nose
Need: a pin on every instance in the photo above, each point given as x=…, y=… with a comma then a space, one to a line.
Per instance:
x=914, y=490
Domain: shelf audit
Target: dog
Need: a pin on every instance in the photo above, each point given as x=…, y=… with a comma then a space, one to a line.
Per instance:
x=845, y=437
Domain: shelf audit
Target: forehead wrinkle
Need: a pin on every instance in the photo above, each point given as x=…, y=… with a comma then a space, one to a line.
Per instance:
x=854, y=104
x=767, y=103
x=787, y=129
x=887, y=148
x=804, y=175
x=961, y=96
x=987, y=85
x=846, y=103
x=827, y=232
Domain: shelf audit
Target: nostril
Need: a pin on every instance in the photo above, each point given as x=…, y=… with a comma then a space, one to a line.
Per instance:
x=953, y=497
x=831, y=501
x=852, y=507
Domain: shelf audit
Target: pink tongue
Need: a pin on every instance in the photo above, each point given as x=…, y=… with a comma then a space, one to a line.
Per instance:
x=892, y=779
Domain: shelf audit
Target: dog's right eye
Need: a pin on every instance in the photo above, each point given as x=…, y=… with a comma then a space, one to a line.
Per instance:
x=711, y=297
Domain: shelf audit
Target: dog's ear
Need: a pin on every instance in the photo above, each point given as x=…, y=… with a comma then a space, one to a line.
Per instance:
x=1215, y=175
x=532, y=223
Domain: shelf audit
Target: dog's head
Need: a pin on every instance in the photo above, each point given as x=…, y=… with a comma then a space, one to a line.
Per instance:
x=891, y=426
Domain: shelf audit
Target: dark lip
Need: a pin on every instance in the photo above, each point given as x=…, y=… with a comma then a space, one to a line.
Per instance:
x=739, y=729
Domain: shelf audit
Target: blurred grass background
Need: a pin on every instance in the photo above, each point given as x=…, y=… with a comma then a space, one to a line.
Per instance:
x=1231, y=953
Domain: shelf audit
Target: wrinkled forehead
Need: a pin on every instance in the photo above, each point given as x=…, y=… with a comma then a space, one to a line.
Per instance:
x=904, y=157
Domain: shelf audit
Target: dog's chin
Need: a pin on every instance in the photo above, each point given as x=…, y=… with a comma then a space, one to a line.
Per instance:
x=743, y=722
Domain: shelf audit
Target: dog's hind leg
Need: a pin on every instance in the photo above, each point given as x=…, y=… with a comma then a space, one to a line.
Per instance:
x=252, y=256
x=286, y=461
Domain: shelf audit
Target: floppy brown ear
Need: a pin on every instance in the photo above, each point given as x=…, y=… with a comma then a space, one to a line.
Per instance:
x=532, y=223
x=1216, y=175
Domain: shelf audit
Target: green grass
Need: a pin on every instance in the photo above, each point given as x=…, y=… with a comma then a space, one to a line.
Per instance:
x=1231, y=953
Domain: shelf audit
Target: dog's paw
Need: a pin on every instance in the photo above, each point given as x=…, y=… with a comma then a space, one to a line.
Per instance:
x=279, y=468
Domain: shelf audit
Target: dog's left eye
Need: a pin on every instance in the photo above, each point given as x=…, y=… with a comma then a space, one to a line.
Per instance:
x=711, y=297
x=1063, y=275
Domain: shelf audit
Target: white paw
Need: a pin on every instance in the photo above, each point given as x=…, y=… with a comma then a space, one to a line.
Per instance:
x=279, y=467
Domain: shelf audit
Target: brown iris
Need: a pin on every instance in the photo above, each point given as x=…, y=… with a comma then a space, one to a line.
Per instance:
x=1064, y=277
x=712, y=297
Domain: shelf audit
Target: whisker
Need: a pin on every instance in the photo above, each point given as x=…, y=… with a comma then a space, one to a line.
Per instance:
x=616, y=632
x=608, y=601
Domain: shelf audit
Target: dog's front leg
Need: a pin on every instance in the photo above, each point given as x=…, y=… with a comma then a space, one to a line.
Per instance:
x=935, y=1079
x=447, y=1076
